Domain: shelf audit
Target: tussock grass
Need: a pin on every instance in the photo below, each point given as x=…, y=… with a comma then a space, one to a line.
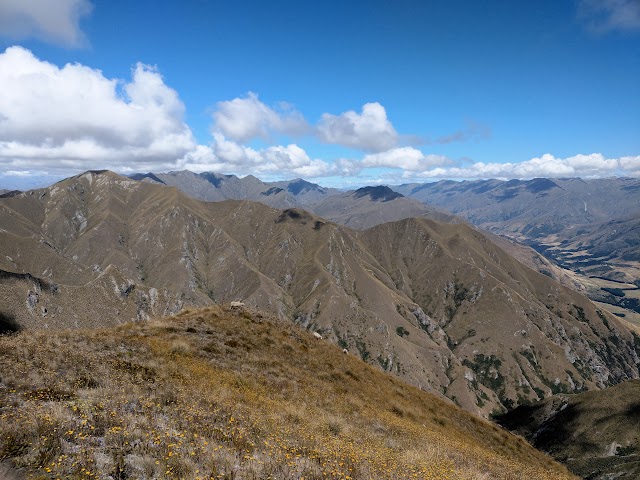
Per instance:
x=216, y=393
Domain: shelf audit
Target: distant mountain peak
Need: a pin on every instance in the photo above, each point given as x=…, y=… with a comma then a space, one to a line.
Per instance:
x=142, y=176
x=380, y=193
x=10, y=193
x=213, y=178
x=537, y=185
x=299, y=185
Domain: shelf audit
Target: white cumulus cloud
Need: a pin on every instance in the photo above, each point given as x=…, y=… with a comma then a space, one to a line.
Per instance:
x=243, y=119
x=369, y=130
x=225, y=155
x=74, y=118
x=631, y=165
x=61, y=120
x=405, y=158
x=55, y=21
x=547, y=165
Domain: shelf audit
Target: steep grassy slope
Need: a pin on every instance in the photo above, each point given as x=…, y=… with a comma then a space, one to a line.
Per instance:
x=232, y=394
x=437, y=304
x=595, y=433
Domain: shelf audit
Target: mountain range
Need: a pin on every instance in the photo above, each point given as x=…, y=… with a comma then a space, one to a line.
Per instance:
x=540, y=208
x=361, y=208
x=211, y=186
x=438, y=304
x=564, y=228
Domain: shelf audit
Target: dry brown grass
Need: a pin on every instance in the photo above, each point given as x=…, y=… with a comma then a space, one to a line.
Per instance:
x=220, y=394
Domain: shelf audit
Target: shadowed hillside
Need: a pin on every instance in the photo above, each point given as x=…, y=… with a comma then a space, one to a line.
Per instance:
x=232, y=394
x=594, y=433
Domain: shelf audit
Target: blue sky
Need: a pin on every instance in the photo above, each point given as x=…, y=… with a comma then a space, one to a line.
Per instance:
x=343, y=93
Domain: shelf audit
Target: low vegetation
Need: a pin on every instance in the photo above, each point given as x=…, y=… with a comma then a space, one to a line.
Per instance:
x=594, y=433
x=217, y=393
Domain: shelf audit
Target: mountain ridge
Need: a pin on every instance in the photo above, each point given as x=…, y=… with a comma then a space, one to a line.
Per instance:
x=437, y=304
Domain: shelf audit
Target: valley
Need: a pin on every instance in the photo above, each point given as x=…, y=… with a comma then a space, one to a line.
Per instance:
x=589, y=228
x=594, y=433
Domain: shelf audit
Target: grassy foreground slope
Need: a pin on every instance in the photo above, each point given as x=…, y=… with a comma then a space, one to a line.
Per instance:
x=216, y=393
